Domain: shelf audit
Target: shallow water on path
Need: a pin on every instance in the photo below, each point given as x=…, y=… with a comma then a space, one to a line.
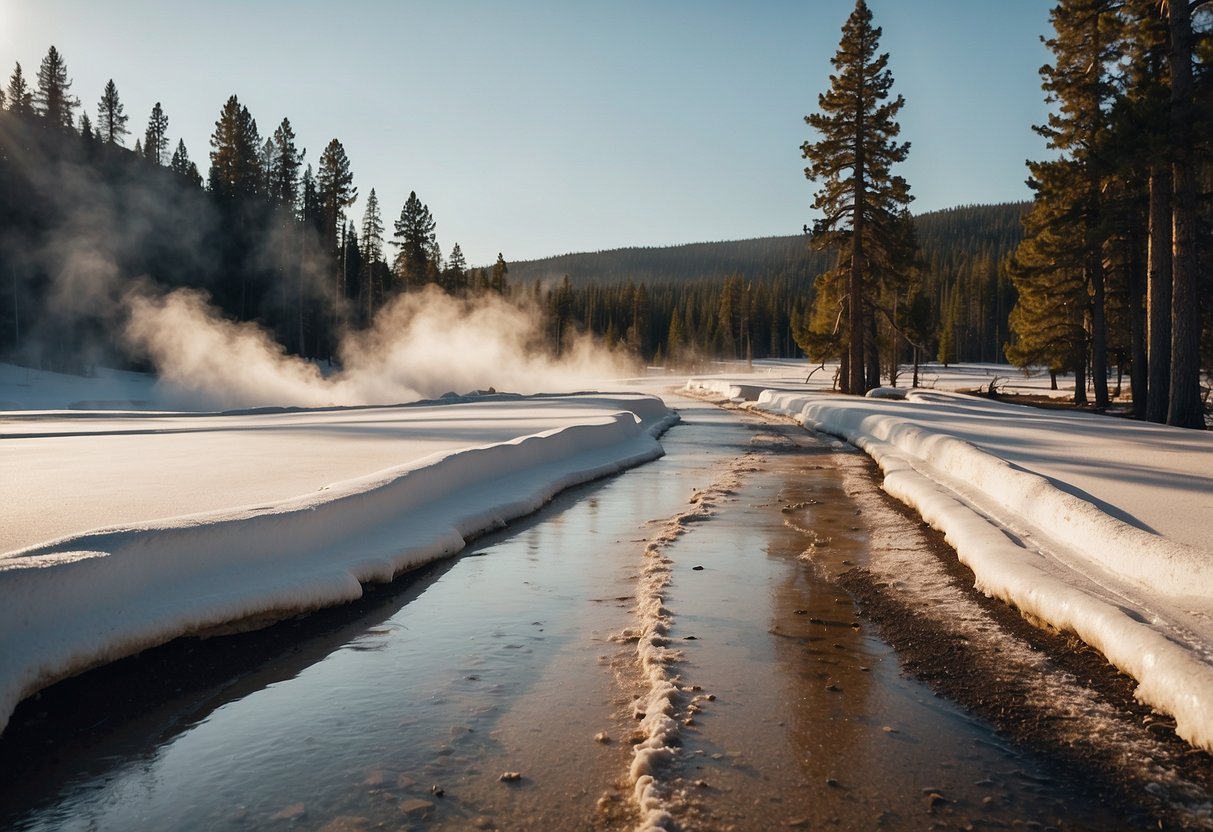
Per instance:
x=504, y=661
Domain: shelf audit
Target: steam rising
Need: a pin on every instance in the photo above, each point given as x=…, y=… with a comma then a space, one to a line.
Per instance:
x=420, y=346
x=112, y=242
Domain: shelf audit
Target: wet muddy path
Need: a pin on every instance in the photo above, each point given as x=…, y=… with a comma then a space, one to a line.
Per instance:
x=507, y=688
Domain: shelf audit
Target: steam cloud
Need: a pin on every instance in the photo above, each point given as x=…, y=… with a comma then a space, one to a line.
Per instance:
x=108, y=229
x=420, y=346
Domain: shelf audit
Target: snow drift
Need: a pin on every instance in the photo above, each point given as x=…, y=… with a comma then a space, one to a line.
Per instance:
x=1142, y=599
x=90, y=598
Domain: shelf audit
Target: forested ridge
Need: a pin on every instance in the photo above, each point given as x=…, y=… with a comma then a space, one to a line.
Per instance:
x=963, y=251
x=1107, y=271
x=267, y=238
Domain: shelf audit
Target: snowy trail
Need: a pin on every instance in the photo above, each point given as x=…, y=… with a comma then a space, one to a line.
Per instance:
x=1092, y=525
x=91, y=597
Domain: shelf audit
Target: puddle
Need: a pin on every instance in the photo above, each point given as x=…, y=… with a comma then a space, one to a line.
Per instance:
x=811, y=724
x=407, y=710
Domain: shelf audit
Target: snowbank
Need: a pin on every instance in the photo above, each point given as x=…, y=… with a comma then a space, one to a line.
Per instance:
x=1058, y=553
x=95, y=597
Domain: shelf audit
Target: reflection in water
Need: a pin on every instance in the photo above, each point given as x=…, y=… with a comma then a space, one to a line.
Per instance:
x=809, y=723
x=406, y=710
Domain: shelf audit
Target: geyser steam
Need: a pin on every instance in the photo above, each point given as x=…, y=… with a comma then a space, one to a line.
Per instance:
x=421, y=345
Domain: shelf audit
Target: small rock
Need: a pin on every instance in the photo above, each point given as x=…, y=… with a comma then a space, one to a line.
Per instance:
x=889, y=729
x=437, y=791
x=832, y=783
x=702, y=784
x=690, y=638
x=800, y=612
x=602, y=736
x=510, y=777
x=483, y=822
x=295, y=811
x=696, y=568
x=711, y=697
x=416, y=806
x=690, y=720
x=833, y=687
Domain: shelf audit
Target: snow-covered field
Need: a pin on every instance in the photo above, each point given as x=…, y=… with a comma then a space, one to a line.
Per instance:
x=123, y=529
x=125, y=526
x=1090, y=524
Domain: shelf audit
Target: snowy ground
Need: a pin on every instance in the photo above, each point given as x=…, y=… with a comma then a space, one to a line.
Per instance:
x=125, y=526
x=122, y=529
x=1090, y=524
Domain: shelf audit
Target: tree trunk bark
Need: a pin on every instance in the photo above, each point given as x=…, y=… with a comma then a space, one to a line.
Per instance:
x=1138, y=383
x=1158, y=294
x=855, y=327
x=1095, y=280
x=1185, y=408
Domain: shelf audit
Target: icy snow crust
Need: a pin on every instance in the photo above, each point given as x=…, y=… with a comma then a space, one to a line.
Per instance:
x=96, y=596
x=1091, y=525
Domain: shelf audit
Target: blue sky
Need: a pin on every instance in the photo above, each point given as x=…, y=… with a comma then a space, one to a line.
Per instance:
x=537, y=128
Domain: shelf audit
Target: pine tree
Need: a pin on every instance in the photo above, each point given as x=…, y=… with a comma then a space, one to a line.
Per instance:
x=111, y=116
x=415, y=231
x=372, y=251
x=499, y=282
x=335, y=188
x=860, y=198
x=20, y=99
x=311, y=212
x=155, y=137
x=1078, y=84
x=52, y=98
x=1185, y=408
x=455, y=275
x=1049, y=273
x=235, y=169
x=182, y=166
x=286, y=160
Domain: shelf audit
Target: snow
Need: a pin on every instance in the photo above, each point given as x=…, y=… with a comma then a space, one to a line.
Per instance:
x=1091, y=524
x=123, y=529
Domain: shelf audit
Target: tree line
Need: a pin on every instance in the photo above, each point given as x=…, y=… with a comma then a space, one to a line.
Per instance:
x=266, y=233
x=1117, y=250
x=1117, y=261
x=767, y=287
x=1109, y=264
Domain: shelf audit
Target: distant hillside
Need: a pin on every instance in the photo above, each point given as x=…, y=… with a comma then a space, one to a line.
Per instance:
x=946, y=237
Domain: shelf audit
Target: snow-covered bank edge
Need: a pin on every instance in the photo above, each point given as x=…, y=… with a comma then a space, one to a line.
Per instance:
x=80, y=602
x=1173, y=669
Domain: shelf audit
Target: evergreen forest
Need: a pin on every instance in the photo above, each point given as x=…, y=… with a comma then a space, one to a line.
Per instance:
x=1107, y=271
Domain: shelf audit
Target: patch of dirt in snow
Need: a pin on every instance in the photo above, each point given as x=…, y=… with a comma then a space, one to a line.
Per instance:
x=1044, y=690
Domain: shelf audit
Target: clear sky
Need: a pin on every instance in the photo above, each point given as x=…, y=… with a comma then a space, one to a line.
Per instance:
x=536, y=128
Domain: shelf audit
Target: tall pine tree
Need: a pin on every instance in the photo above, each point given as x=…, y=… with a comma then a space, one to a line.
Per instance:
x=20, y=98
x=52, y=97
x=415, y=232
x=111, y=116
x=155, y=137
x=860, y=198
